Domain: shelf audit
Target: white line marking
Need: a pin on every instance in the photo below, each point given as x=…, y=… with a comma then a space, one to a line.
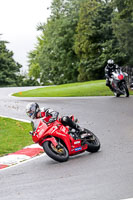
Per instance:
x=33, y=146
x=25, y=161
x=22, y=120
x=13, y=159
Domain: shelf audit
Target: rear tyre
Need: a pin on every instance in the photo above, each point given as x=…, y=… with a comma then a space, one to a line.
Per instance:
x=59, y=154
x=93, y=143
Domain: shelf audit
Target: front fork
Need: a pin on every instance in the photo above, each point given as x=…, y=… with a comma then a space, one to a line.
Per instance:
x=53, y=141
x=116, y=87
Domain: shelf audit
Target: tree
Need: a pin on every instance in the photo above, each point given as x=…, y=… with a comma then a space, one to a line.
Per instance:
x=57, y=59
x=34, y=67
x=9, y=68
x=95, y=41
x=123, y=28
x=78, y=39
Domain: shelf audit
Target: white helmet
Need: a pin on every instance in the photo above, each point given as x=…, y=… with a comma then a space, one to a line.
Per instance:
x=32, y=109
x=110, y=63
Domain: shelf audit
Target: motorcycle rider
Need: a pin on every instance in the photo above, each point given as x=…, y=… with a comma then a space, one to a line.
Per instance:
x=33, y=111
x=110, y=67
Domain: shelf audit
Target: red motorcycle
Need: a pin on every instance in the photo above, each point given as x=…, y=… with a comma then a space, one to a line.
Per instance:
x=59, y=141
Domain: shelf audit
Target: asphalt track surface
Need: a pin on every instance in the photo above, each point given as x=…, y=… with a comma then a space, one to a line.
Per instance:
x=106, y=175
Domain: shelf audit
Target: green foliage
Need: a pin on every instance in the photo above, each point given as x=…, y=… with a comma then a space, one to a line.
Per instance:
x=95, y=42
x=61, y=56
x=57, y=59
x=78, y=39
x=9, y=68
x=123, y=28
x=34, y=67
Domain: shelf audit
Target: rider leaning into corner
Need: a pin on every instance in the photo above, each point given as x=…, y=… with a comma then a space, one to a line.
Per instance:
x=110, y=67
x=34, y=111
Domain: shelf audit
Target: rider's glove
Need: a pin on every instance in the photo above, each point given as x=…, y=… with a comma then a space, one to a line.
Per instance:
x=52, y=119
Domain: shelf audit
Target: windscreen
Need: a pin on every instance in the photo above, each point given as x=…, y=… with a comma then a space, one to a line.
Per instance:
x=35, y=123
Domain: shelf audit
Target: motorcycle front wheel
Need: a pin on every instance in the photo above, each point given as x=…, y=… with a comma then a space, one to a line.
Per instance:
x=125, y=90
x=117, y=94
x=59, y=154
x=93, y=143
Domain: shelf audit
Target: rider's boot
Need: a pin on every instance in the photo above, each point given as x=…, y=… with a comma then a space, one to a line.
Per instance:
x=68, y=121
x=109, y=85
x=76, y=127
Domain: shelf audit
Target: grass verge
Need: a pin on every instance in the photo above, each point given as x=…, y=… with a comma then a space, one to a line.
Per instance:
x=90, y=88
x=13, y=135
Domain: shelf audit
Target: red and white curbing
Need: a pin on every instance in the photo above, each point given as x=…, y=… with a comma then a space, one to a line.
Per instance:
x=21, y=155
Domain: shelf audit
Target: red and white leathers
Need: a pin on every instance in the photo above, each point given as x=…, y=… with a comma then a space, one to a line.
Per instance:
x=50, y=115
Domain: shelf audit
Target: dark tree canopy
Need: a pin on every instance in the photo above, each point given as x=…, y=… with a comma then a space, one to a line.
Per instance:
x=8, y=67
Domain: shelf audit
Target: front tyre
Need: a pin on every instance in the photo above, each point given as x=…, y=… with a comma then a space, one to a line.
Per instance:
x=59, y=154
x=117, y=94
x=126, y=92
x=93, y=143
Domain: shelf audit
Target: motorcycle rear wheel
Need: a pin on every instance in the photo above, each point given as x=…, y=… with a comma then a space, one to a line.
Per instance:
x=60, y=154
x=93, y=143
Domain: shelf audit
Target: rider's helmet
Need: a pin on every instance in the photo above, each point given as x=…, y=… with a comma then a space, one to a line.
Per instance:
x=32, y=109
x=110, y=63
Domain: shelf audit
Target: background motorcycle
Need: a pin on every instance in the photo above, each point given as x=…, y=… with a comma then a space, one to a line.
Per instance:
x=59, y=142
x=118, y=83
